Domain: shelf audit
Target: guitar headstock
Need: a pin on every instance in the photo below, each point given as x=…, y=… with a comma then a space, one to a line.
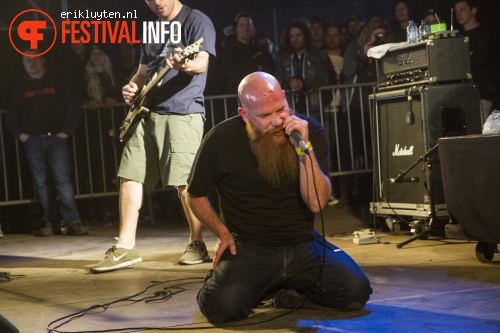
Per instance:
x=191, y=51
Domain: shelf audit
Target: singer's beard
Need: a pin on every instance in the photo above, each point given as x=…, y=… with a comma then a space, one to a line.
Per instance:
x=277, y=161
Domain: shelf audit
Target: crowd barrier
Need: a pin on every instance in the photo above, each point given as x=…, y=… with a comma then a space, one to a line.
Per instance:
x=96, y=149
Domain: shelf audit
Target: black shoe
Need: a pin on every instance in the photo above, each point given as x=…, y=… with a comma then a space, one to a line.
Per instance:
x=45, y=231
x=57, y=228
x=455, y=231
x=76, y=228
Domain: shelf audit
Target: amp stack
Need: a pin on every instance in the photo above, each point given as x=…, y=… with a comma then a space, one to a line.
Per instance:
x=424, y=92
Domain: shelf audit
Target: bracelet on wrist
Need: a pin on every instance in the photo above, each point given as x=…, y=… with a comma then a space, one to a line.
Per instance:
x=299, y=150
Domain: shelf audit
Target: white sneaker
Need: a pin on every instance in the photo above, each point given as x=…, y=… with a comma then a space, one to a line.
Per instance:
x=332, y=201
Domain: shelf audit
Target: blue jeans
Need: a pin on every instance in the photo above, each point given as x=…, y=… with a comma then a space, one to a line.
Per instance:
x=239, y=282
x=50, y=164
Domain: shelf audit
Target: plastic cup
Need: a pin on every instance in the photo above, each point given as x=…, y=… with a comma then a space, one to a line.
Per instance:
x=438, y=27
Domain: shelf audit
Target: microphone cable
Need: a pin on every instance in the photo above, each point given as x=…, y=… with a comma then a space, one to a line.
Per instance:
x=165, y=294
x=322, y=236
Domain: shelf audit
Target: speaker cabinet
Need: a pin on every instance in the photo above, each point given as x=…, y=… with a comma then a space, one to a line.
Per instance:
x=406, y=125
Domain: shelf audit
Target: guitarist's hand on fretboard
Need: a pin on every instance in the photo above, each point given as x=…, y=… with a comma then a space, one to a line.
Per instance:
x=197, y=64
x=129, y=92
x=191, y=65
x=176, y=62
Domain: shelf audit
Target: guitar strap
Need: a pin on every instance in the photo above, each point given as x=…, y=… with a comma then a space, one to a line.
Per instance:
x=169, y=47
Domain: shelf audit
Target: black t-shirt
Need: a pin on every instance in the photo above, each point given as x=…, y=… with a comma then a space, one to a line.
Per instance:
x=39, y=106
x=251, y=209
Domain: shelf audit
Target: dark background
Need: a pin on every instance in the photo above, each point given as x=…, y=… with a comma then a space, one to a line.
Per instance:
x=268, y=16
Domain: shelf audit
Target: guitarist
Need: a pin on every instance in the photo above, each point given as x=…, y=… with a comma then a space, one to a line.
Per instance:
x=164, y=144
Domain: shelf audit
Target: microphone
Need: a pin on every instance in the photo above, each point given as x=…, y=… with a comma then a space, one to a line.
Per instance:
x=403, y=180
x=296, y=136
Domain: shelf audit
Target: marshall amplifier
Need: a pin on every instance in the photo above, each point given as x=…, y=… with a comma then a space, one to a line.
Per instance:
x=406, y=125
x=427, y=62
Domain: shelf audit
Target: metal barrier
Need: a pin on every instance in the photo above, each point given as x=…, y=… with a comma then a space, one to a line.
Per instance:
x=96, y=149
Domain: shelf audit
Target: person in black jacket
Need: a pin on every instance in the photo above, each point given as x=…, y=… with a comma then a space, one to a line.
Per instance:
x=42, y=114
x=483, y=62
x=241, y=56
x=302, y=69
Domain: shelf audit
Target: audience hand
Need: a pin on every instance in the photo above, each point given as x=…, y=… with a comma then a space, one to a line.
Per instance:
x=296, y=84
x=24, y=137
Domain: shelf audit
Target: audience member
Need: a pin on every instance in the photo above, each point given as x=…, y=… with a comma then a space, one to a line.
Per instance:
x=102, y=95
x=317, y=30
x=482, y=59
x=74, y=68
x=304, y=21
x=431, y=17
x=265, y=43
x=401, y=13
x=282, y=40
x=333, y=48
x=268, y=201
x=303, y=69
x=42, y=114
x=128, y=63
x=215, y=76
x=358, y=68
x=101, y=87
x=353, y=27
x=240, y=56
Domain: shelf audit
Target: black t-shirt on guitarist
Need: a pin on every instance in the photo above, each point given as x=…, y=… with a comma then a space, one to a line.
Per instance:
x=180, y=93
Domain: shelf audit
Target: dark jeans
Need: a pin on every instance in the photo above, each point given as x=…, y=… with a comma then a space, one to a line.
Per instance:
x=50, y=164
x=239, y=282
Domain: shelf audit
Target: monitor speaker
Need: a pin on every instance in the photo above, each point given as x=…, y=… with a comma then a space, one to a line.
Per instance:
x=471, y=181
x=407, y=124
x=6, y=326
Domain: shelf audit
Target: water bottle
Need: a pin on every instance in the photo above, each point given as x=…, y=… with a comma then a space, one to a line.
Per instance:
x=424, y=29
x=412, y=32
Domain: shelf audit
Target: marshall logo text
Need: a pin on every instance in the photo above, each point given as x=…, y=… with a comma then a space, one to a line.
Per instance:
x=398, y=151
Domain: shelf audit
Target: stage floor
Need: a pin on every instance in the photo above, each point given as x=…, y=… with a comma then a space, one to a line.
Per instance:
x=433, y=285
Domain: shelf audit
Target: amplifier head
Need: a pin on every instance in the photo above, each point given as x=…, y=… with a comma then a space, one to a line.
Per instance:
x=432, y=61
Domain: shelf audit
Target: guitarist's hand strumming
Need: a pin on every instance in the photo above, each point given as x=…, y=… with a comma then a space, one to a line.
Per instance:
x=129, y=92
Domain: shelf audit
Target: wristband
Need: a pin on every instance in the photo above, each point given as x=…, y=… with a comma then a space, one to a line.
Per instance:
x=299, y=150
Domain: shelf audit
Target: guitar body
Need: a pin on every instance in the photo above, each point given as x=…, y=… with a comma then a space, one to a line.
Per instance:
x=138, y=110
x=132, y=120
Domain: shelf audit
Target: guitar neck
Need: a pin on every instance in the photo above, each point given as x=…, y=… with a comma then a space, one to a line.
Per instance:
x=156, y=79
x=188, y=53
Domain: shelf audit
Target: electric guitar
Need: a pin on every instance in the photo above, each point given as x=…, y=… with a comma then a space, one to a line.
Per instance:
x=138, y=109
